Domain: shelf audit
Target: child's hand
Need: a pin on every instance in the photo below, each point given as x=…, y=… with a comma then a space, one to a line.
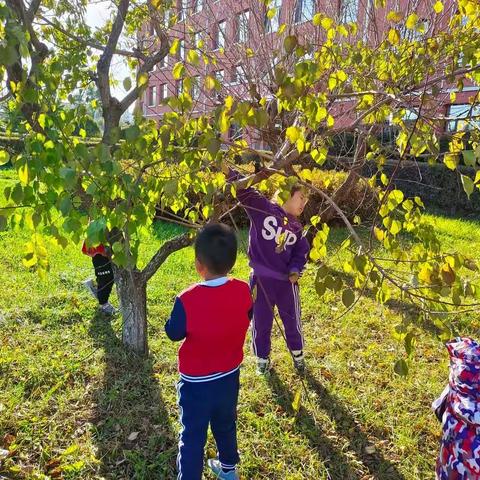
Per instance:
x=293, y=277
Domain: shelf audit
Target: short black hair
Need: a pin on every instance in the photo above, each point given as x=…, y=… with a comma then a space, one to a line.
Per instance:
x=216, y=248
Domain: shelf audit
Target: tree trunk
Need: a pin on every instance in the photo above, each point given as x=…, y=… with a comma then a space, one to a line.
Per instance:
x=132, y=292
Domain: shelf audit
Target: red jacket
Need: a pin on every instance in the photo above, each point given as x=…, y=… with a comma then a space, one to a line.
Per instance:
x=92, y=251
x=213, y=317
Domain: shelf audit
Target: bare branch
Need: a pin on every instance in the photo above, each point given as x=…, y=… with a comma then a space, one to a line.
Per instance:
x=164, y=252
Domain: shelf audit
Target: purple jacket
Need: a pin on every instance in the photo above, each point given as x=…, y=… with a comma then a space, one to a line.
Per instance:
x=277, y=246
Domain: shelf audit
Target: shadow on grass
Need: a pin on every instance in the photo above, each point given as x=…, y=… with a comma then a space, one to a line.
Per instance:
x=341, y=464
x=132, y=430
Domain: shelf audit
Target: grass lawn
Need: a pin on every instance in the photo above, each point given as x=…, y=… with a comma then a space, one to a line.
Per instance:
x=74, y=405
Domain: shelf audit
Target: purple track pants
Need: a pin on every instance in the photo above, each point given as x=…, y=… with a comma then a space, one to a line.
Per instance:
x=285, y=296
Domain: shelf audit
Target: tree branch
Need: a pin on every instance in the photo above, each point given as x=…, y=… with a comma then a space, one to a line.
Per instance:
x=164, y=252
x=89, y=42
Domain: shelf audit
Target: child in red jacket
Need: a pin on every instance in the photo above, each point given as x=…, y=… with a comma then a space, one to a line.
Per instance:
x=212, y=319
x=104, y=275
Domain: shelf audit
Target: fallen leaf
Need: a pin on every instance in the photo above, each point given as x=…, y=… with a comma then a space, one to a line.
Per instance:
x=8, y=439
x=133, y=436
x=370, y=449
x=3, y=453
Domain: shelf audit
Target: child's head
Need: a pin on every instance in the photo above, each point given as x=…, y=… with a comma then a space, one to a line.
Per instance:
x=215, y=251
x=296, y=202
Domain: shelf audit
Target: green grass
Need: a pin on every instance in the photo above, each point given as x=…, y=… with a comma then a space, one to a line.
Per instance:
x=70, y=396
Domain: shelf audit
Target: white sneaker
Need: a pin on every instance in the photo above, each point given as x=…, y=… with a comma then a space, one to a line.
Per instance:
x=92, y=289
x=216, y=468
x=108, y=309
x=263, y=365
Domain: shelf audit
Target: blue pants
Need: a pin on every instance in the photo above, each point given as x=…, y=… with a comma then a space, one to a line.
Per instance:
x=202, y=404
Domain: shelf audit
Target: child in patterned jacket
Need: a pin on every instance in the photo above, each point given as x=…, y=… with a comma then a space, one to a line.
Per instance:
x=458, y=408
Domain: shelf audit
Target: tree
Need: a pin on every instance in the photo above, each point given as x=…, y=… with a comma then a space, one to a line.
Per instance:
x=310, y=85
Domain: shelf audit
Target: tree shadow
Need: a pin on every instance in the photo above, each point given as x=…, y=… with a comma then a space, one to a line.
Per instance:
x=132, y=429
x=353, y=463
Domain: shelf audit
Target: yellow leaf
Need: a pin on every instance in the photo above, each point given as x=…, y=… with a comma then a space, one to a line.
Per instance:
x=327, y=23
x=297, y=399
x=281, y=29
x=317, y=19
x=321, y=114
x=451, y=160
x=395, y=17
x=175, y=46
x=412, y=20
x=210, y=82
x=293, y=134
x=229, y=102
x=379, y=233
x=438, y=7
x=23, y=174
x=330, y=121
x=142, y=79
x=394, y=36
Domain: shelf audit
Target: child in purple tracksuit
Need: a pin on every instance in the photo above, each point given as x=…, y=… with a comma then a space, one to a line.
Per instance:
x=278, y=252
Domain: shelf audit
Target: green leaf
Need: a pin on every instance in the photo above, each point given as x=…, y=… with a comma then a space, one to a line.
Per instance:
x=348, y=298
x=127, y=83
x=401, y=368
x=469, y=158
x=290, y=43
x=65, y=205
x=468, y=185
x=4, y=157
x=68, y=174
x=213, y=146
x=132, y=133
x=3, y=223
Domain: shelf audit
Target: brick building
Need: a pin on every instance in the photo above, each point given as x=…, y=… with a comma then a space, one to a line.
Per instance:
x=236, y=41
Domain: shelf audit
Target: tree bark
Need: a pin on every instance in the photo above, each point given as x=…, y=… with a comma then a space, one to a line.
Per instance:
x=132, y=292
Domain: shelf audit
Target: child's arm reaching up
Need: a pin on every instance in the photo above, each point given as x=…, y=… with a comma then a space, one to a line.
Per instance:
x=249, y=197
x=298, y=259
x=176, y=325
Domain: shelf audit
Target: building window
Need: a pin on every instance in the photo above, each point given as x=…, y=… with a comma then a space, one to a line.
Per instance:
x=164, y=62
x=197, y=5
x=163, y=92
x=197, y=40
x=181, y=50
x=304, y=10
x=151, y=97
x=349, y=11
x=238, y=74
x=166, y=19
x=196, y=88
x=179, y=87
x=182, y=10
x=242, y=26
x=220, y=75
x=272, y=24
x=220, y=35
x=463, y=117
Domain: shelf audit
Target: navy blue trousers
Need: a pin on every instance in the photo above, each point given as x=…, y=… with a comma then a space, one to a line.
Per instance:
x=202, y=404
